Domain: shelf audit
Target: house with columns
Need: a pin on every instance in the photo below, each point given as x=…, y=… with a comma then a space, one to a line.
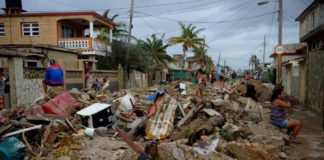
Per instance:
x=70, y=30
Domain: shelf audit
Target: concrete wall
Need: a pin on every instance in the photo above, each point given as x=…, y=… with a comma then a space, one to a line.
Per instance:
x=68, y=61
x=315, y=80
x=295, y=80
x=137, y=80
x=302, y=83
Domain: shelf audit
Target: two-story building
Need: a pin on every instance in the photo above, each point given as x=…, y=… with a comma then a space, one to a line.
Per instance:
x=28, y=40
x=311, y=31
x=71, y=30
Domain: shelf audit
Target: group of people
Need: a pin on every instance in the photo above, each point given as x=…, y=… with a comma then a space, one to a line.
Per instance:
x=96, y=82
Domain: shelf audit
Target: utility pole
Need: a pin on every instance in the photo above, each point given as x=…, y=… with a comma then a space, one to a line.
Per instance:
x=224, y=66
x=130, y=23
x=218, y=63
x=130, y=26
x=279, y=40
x=264, y=50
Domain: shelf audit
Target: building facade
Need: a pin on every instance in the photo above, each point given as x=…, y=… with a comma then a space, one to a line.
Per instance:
x=311, y=26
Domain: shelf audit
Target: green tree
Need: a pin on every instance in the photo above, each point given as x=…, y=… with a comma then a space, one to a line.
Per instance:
x=156, y=50
x=188, y=38
x=201, y=57
x=254, y=62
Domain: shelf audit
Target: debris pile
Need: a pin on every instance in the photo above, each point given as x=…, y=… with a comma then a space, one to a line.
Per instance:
x=158, y=122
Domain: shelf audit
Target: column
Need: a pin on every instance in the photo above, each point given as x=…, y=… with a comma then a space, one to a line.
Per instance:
x=120, y=77
x=16, y=74
x=110, y=35
x=91, y=29
x=295, y=80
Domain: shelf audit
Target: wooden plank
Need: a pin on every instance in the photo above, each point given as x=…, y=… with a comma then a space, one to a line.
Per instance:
x=181, y=109
x=22, y=131
x=190, y=114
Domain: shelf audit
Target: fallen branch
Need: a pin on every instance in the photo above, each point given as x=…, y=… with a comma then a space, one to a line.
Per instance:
x=29, y=147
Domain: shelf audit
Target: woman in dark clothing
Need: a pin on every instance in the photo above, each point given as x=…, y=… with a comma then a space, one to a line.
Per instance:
x=278, y=115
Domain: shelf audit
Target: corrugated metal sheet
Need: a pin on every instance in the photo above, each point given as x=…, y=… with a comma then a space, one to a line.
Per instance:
x=160, y=125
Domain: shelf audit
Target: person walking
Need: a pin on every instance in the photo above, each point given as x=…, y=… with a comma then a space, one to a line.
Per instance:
x=278, y=115
x=54, y=76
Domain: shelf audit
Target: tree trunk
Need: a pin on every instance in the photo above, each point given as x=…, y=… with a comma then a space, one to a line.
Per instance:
x=183, y=63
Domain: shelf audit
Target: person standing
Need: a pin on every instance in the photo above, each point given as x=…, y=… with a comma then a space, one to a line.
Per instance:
x=90, y=80
x=54, y=76
x=2, y=89
x=201, y=80
x=222, y=78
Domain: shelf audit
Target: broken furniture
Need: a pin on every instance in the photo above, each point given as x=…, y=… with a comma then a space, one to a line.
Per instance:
x=97, y=115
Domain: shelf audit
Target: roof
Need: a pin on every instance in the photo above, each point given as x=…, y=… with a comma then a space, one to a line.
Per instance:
x=292, y=49
x=26, y=50
x=297, y=60
x=15, y=53
x=310, y=7
x=36, y=14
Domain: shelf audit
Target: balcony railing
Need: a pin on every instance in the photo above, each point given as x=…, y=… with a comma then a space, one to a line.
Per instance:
x=88, y=45
x=76, y=43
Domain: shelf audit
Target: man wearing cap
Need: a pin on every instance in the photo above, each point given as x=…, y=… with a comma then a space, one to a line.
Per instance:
x=54, y=76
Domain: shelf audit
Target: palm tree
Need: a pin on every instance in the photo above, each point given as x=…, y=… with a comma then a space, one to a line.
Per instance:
x=119, y=29
x=188, y=39
x=157, y=50
x=254, y=62
x=201, y=57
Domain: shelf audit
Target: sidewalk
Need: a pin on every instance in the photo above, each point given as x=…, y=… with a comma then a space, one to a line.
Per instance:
x=311, y=134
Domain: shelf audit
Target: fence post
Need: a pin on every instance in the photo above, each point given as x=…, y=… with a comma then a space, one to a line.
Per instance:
x=120, y=77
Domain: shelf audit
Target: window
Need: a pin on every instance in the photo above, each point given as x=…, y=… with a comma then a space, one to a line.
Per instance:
x=30, y=29
x=2, y=30
x=313, y=19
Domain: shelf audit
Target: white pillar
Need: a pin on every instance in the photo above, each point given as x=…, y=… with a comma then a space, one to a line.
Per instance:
x=110, y=35
x=91, y=29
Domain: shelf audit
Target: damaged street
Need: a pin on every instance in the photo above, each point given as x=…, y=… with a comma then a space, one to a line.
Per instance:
x=161, y=79
x=121, y=125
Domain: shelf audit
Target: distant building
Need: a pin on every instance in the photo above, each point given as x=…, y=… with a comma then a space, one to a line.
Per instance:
x=311, y=31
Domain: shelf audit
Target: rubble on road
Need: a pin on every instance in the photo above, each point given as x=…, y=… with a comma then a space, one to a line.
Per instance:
x=159, y=122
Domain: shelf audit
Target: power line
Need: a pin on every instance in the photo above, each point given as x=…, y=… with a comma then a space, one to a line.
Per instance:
x=235, y=13
x=150, y=26
x=126, y=8
x=222, y=21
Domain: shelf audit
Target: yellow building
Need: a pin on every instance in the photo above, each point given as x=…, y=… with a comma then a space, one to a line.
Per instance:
x=72, y=30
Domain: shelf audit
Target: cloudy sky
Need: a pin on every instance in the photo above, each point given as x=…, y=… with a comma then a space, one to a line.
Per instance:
x=233, y=28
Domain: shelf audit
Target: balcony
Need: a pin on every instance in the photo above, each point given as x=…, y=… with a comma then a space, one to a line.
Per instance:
x=80, y=34
x=87, y=46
